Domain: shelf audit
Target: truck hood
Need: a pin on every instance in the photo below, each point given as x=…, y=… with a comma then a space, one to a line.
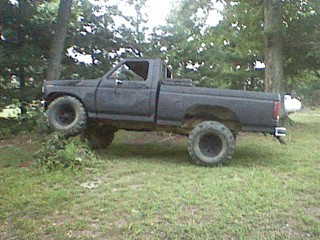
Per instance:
x=73, y=83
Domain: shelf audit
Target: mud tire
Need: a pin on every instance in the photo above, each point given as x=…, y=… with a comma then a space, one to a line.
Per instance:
x=67, y=114
x=211, y=144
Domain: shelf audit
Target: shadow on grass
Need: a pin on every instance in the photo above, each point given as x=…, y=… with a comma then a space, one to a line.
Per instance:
x=177, y=153
x=264, y=156
x=155, y=153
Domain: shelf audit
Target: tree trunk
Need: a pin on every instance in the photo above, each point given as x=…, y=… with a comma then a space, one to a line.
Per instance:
x=273, y=28
x=21, y=66
x=57, y=45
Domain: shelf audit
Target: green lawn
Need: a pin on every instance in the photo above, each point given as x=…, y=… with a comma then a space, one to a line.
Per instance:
x=144, y=187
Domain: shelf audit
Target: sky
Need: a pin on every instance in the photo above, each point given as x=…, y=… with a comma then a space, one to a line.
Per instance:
x=157, y=11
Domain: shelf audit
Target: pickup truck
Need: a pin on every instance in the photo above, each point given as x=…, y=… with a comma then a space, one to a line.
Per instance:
x=141, y=95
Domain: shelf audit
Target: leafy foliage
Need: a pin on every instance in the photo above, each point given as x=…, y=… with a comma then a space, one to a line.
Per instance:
x=59, y=152
x=243, y=26
x=25, y=31
x=91, y=36
x=12, y=122
x=182, y=41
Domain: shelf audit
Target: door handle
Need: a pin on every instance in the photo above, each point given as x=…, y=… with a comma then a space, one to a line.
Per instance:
x=118, y=82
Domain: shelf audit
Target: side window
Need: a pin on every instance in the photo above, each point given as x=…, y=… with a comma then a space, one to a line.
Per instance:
x=163, y=71
x=166, y=74
x=169, y=74
x=132, y=71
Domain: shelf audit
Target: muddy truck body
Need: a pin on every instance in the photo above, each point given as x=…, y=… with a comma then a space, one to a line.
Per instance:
x=141, y=95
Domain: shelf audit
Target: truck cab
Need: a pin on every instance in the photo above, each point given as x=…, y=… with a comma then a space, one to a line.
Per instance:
x=129, y=91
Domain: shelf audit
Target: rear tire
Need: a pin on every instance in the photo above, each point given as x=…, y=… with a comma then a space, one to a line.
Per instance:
x=67, y=114
x=98, y=138
x=211, y=143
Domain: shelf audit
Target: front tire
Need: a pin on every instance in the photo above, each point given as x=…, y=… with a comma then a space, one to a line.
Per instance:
x=67, y=114
x=211, y=143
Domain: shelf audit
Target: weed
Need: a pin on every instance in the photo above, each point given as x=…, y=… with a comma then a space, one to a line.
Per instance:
x=59, y=152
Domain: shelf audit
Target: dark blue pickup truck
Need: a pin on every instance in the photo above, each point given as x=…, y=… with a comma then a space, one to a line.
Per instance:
x=141, y=95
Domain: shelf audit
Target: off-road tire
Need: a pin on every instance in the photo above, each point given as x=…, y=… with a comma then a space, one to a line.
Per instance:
x=210, y=144
x=98, y=138
x=67, y=114
x=234, y=133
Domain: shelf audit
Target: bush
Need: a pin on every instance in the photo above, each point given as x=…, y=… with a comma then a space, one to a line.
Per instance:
x=38, y=124
x=33, y=120
x=309, y=90
x=9, y=127
x=315, y=98
x=60, y=152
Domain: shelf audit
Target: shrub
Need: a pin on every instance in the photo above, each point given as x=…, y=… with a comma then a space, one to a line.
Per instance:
x=38, y=124
x=315, y=98
x=9, y=127
x=33, y=120
x=60, y=152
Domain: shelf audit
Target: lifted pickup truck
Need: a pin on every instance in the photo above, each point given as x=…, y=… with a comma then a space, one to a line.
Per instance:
x=141, y=95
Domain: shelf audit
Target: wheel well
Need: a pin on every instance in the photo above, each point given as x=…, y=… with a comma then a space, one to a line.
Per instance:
x=55, y=95
x=199, y=113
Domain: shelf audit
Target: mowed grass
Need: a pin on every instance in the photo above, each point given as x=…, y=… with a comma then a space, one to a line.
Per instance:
x=145, y=187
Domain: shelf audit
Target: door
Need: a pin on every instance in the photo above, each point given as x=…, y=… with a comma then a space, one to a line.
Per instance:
x=125, y=93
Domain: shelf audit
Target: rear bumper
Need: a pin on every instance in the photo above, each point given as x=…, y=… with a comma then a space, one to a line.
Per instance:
x=280, y=131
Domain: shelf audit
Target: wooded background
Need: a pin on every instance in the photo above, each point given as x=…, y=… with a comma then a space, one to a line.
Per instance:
x=36, y=36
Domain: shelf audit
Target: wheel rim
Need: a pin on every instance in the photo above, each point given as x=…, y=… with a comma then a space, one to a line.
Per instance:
x=210, y=145
x=66, y=115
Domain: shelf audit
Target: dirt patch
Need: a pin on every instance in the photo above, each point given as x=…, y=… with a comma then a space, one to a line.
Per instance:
x=16, y=140
x=314, y=211
x=26, y=164
x=151, y=138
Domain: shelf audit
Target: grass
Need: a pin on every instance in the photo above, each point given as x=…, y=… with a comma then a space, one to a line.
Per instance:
x=144, y=187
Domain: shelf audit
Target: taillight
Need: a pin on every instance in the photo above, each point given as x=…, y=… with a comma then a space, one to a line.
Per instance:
x=276, y=110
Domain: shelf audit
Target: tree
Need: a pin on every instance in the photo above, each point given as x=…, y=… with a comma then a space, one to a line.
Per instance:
x=181, y=42
x=57, y=45
x=91, y=38
x=294, y=33
x=24, y=33
x=132, y=33
x=274, y=44
x=101, y=42
x=138, y=22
